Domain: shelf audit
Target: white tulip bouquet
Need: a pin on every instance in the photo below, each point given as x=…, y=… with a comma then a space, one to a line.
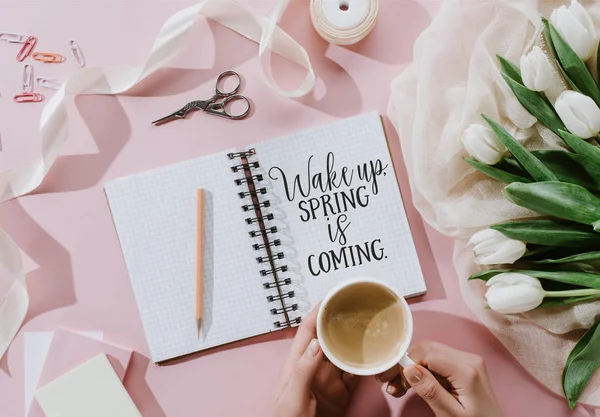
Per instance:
x=554, y=259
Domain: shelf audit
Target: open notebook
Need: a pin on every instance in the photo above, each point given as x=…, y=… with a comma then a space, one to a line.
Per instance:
x=285, y=221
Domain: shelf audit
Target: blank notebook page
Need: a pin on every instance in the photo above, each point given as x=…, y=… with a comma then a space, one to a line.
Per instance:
x=342, y=215
x=155, y=216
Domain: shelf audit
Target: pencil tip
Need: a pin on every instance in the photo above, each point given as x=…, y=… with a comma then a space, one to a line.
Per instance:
x=199, y=324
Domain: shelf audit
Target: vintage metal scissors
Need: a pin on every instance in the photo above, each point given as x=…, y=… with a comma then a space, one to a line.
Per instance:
x=214, y=105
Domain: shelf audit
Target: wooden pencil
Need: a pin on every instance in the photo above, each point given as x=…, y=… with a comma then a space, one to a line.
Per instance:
x=199, y=258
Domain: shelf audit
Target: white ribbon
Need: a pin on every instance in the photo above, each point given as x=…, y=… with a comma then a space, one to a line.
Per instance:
x=54, y=120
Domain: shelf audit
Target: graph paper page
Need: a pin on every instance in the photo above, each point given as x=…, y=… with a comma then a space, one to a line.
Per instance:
x=338, y=209
x=155, y=216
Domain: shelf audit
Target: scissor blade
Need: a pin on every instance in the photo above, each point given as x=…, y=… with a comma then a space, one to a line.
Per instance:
x=179, y=114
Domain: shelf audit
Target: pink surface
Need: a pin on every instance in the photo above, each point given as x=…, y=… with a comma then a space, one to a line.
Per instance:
x=77, y=276
x=69, y=350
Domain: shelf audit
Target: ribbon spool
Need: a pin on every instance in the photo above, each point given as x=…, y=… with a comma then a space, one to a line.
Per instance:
x=344, y=22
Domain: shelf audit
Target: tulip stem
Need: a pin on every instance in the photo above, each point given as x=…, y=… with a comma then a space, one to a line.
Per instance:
x=572, y=293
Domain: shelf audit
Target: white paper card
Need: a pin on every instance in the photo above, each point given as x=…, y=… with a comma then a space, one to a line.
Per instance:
x=37, y=345
x=91, y=390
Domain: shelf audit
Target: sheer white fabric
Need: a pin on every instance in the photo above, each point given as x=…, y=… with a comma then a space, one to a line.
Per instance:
x=454, y=78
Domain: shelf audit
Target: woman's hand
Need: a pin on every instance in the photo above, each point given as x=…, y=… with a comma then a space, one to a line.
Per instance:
x=454, y=383
x=310, y=385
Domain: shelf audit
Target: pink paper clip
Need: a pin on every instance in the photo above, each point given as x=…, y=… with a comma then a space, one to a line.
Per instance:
x=27, y=80
x=27, y=48
x=12, y=37
x=77, y=53
x=29, y=98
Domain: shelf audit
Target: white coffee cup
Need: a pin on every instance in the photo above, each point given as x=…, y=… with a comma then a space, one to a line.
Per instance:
x=399, y=358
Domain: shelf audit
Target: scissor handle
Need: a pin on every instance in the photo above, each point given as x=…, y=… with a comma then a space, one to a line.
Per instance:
x=222, y=77
x=220, y=109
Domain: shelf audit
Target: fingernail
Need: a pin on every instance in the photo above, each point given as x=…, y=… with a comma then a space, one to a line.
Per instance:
x=413, y=374
x=313, y=347
x=390, y=389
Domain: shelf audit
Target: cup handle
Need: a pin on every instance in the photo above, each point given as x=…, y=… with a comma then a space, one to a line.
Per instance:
x=406, y=361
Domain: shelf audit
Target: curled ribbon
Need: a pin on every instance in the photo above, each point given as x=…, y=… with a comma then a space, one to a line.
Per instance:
x=54, y=120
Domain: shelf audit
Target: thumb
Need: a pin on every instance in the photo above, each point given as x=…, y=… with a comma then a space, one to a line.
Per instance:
x=428, y=388
x=306, y=367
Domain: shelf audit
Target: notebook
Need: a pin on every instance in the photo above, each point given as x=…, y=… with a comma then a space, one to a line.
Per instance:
x=285, y=220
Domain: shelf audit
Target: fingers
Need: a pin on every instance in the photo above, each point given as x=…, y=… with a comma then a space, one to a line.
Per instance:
x=294, y=396
x=350, y=381
x=306, y=368
x=428, y=388
x=398, y=386
x=443, y=360
x=306, y=332
x=388, y=375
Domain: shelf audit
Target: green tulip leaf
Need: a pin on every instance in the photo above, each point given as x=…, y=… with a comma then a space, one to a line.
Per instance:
x=494, y=172
x=598, y=62
x=581, y=257
x=573, y=65
x=581, y=147
x=511, y=165
x=552, y=49
x=582, y=279
x=559, y=302
x=556, y=199
x=535, y=105
x=581, y=364
x=510, y=69
x=548, y=233
x=530, y=163
x=581, y=169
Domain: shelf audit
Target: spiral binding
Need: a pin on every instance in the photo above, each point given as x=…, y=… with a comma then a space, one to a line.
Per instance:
x=250, y=180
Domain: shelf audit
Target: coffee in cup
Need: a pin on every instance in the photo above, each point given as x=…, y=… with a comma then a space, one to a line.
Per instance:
x=364, y=327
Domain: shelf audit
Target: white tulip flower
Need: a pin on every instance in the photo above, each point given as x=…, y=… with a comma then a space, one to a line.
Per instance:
x=536, y=70
x=512, y=293
x=576, y=27
x=579, y=113
x=492, y=248
x=482, y=144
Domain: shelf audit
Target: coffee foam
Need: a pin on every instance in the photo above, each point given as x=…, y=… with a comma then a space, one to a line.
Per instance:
x=364, y=325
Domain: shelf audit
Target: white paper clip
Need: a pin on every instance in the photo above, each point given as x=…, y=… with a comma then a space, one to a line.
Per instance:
x=27, y=79
x=13, y=37
x=51, y=83
x=77, y=53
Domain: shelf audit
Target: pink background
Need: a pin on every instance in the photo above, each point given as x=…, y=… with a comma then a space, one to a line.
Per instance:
x=77, y=277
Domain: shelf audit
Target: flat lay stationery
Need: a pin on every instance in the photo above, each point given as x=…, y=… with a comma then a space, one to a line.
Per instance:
x=176, y=242
x=284, y=222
